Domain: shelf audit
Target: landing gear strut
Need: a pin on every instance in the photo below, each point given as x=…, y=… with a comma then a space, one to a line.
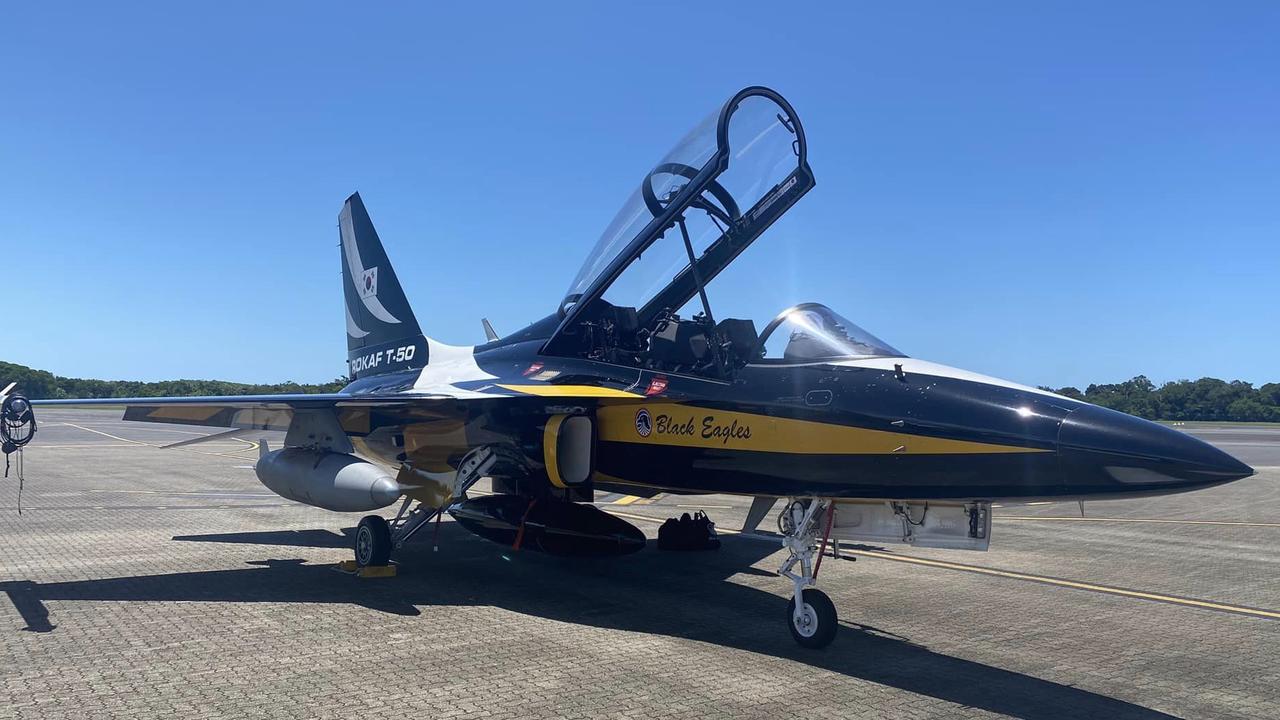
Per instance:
x=811, y=616
x=376, y=538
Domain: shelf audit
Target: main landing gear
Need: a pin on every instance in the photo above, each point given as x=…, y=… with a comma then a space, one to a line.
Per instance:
x=373, y=541
x=811, y=615
x=376, y=538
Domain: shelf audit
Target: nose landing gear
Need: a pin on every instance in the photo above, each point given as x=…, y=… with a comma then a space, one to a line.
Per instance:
x=811, y=615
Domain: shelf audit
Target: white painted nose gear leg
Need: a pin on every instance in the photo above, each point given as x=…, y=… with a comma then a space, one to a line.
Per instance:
x=811, y=613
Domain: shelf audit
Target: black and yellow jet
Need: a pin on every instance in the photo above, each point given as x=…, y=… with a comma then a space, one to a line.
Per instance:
x=633, y=385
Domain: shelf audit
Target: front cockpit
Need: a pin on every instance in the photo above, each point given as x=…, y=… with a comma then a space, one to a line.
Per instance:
x=813, y=333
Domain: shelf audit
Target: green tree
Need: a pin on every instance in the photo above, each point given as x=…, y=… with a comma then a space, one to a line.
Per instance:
x=39, y=384
x=1071, y=392
x=1135, y=396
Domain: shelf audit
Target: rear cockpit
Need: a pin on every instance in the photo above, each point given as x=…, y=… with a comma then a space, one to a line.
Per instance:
x=708, y=198
x=642, y=298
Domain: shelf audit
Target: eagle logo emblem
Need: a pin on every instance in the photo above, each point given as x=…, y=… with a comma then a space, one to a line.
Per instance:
x=644, y=424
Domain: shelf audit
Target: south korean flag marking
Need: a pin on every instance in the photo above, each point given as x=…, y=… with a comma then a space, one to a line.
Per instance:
x=365, y=281
x=368, y=286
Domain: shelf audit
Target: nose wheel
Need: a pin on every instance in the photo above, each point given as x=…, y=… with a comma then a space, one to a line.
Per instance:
x=813, y=624
x=811, y=615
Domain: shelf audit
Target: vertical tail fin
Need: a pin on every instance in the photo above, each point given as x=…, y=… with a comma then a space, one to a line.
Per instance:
x=382, y=334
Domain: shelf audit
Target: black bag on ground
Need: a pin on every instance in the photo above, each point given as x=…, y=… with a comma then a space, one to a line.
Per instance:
x=688, y=533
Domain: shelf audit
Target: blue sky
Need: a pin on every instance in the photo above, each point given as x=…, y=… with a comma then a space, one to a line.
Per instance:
x=1052, y=193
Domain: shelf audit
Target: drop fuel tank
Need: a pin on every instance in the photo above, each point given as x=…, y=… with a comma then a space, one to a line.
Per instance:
x=330, y=480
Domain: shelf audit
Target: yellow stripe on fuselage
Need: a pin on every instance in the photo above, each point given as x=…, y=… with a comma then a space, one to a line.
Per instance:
x=569, y=391
x=690, y=426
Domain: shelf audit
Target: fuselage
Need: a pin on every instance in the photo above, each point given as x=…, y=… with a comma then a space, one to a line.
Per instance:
x=684, y=399
x=894, y=428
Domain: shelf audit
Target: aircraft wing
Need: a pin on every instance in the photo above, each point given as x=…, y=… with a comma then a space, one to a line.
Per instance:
x=259, y=412
x=354, y=410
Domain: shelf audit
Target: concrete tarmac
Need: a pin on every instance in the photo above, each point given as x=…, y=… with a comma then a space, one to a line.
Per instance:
x=141, y=582
x=1256, y=444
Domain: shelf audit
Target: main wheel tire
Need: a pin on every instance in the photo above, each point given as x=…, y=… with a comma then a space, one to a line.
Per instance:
x=373, y=541
x=817, y=626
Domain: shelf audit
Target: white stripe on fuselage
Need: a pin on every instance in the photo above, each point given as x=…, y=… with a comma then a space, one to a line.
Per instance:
x=447, y=365
x=924, y=367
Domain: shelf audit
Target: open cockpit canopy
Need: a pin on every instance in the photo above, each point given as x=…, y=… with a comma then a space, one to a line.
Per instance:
x=708, y=198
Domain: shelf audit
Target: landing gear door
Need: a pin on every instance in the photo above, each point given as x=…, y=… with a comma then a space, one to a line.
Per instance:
x=955, y=526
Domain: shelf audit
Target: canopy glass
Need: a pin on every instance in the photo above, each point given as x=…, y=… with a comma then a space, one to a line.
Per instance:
x=815, y=333
x=708, y=198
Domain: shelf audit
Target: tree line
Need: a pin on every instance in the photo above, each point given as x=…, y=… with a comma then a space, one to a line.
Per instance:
x=1203, y=399
x=41, y=384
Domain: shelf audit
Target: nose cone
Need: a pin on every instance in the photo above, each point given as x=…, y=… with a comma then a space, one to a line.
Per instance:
x=1104, y=450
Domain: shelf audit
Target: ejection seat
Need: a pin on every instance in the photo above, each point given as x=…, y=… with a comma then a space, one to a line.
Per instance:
x=740, y=340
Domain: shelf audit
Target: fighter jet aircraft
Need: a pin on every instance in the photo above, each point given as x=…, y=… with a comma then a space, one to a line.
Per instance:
x=633, y=384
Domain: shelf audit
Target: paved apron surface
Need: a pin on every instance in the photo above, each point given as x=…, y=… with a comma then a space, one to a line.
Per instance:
x=142, y=582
